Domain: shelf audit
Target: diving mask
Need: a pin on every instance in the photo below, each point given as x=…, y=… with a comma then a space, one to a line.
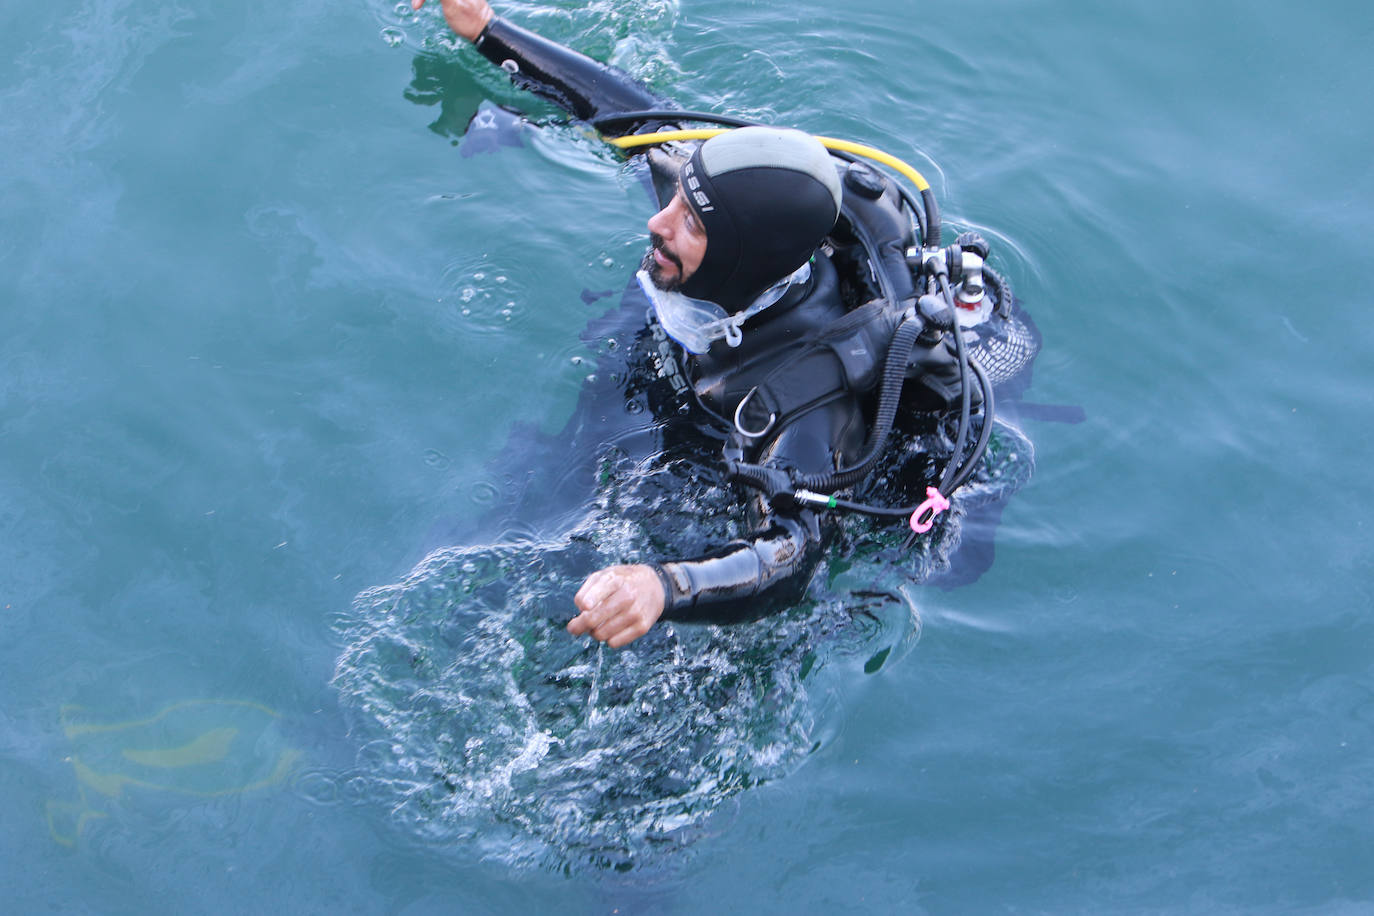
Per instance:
x=696, y=323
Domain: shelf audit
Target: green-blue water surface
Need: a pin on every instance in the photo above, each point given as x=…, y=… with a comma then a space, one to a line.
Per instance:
x=267, y=329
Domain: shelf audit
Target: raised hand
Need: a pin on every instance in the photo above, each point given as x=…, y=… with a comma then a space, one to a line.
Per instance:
x=466, y=17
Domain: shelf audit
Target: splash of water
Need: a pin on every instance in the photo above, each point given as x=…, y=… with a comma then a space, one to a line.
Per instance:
x=484, y=724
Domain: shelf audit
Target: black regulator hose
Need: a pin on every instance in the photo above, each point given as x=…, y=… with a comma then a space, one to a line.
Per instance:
x=1001, y=288
x=889, y=399
x=966, y=467
x=965, y=401
x=932, y=211
x=970, y=464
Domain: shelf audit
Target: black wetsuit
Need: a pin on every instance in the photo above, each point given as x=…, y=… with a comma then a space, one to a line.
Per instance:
x=772, y=565
x=784, y=547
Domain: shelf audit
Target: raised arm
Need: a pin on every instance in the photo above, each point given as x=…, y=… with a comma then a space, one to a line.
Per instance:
x=585, y=88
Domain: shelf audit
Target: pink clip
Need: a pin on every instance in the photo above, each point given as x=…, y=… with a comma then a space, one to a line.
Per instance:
x=934, y=505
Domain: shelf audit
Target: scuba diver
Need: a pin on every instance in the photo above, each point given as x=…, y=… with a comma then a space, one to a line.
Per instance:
x=800, y=307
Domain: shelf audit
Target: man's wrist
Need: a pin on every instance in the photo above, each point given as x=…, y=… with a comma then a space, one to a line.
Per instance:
x=486, y=27
x=677, y=587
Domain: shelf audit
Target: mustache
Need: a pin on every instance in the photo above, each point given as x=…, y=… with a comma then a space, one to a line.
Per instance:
x=656, y=243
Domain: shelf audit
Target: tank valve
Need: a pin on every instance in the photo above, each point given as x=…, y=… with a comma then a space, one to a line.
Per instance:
x=966, y=259
x=971, y=291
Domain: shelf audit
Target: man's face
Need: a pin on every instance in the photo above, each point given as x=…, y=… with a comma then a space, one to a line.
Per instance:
x=679, y=244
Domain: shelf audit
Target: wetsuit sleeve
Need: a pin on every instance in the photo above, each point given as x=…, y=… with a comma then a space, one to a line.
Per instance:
x=746, y=579
x=586, y=88
x=772, y=568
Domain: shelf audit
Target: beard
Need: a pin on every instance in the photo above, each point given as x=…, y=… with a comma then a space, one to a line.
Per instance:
x=667, y=284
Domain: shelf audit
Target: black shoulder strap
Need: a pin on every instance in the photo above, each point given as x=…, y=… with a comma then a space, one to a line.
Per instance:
x=821, y=371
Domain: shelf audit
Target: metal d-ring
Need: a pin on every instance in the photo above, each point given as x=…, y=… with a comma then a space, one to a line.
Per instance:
x=772, y=418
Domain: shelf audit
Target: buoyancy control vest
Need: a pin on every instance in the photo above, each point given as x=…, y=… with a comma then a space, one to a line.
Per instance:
x=887, y=279
x=833, y=343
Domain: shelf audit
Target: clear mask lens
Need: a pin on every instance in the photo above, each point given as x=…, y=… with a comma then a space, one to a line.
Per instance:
x=696, y=323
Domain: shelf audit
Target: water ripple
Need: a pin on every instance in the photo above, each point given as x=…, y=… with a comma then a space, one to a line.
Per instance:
x=484, y=725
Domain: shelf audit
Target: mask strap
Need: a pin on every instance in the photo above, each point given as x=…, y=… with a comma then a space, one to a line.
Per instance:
x=733, y=335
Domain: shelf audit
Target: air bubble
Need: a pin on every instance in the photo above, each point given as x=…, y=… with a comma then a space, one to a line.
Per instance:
x=393, y=37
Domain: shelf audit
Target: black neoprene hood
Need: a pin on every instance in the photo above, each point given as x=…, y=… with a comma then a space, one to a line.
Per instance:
x=766, y=197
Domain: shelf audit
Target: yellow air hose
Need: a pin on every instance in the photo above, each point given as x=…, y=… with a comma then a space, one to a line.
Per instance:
x=843, y=146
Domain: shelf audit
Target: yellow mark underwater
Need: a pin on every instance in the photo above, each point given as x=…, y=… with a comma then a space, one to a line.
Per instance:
x=198, y=749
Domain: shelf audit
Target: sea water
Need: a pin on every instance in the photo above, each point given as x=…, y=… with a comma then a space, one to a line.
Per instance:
x=273, y=324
